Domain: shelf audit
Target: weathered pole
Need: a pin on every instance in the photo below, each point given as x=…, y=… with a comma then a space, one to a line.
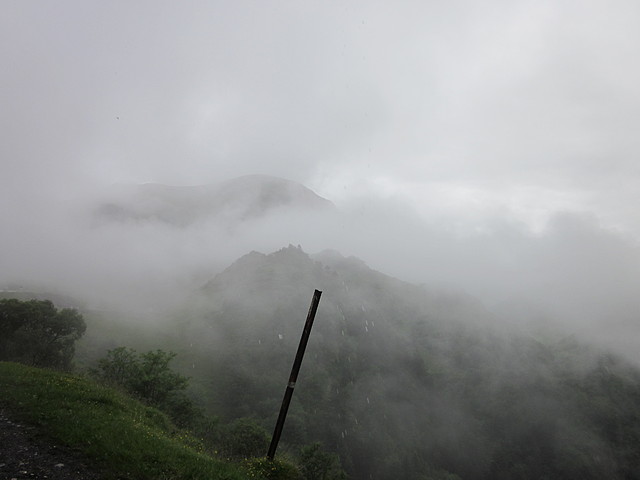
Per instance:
x=288, y=393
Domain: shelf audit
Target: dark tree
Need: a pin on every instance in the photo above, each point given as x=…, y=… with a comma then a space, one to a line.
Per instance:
x=34, y=332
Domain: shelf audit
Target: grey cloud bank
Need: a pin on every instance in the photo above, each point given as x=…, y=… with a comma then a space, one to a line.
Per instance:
x=492, y=147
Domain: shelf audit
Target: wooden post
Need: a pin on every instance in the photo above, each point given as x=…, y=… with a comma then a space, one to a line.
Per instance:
x=294, y=374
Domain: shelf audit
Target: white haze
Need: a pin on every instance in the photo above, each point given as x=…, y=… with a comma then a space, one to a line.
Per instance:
x=490, y=147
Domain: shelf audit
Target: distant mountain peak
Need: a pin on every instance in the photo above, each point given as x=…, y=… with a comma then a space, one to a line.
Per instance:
x=235, y=200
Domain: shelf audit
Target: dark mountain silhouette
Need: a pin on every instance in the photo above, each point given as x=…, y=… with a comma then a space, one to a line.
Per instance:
x=405, y=382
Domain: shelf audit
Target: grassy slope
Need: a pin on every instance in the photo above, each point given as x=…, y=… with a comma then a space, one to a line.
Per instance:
x=128, y=439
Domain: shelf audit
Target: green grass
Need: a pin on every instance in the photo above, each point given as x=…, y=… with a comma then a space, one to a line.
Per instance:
x=125, y=438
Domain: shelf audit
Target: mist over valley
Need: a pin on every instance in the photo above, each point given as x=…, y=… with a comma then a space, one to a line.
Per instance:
x=459, y=180
x=472, y=372
x=146, y=248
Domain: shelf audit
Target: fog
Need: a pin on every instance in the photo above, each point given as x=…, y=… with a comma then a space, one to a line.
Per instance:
x=485, y=148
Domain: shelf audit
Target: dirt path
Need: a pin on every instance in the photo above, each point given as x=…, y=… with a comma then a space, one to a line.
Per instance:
x=25, y=455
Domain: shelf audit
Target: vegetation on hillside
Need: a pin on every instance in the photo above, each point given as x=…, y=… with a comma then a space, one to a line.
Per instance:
x=149, y=377
x=398, y=381
x=126, y=438
x=123, y=437
x=402, y=382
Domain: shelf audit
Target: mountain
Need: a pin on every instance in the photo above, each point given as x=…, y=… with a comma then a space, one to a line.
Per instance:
x=239, y=199
x=405, y=382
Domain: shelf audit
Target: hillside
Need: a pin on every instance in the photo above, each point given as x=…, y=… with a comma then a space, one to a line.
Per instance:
x=25, y=454
x=404, y=382
x=71, y=427
x=401, y=381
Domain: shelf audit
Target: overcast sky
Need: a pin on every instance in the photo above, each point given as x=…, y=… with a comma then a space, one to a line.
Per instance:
x=492, y=146
x=497, y=108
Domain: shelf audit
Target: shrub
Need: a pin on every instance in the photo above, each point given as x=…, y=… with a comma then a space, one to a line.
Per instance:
x=149, y=377
x=318, y=464
x=265, y=469
x=245, y=438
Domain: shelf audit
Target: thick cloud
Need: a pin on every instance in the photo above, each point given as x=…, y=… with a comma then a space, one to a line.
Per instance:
x=499, y=97
x=492, y=146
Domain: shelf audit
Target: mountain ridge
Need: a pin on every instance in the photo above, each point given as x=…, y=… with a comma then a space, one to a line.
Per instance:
x=236, y=200
x=391, y=363
x=400, y=380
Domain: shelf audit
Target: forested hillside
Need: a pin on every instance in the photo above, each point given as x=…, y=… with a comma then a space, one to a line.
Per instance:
x=403, y=382
x=399, y=380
